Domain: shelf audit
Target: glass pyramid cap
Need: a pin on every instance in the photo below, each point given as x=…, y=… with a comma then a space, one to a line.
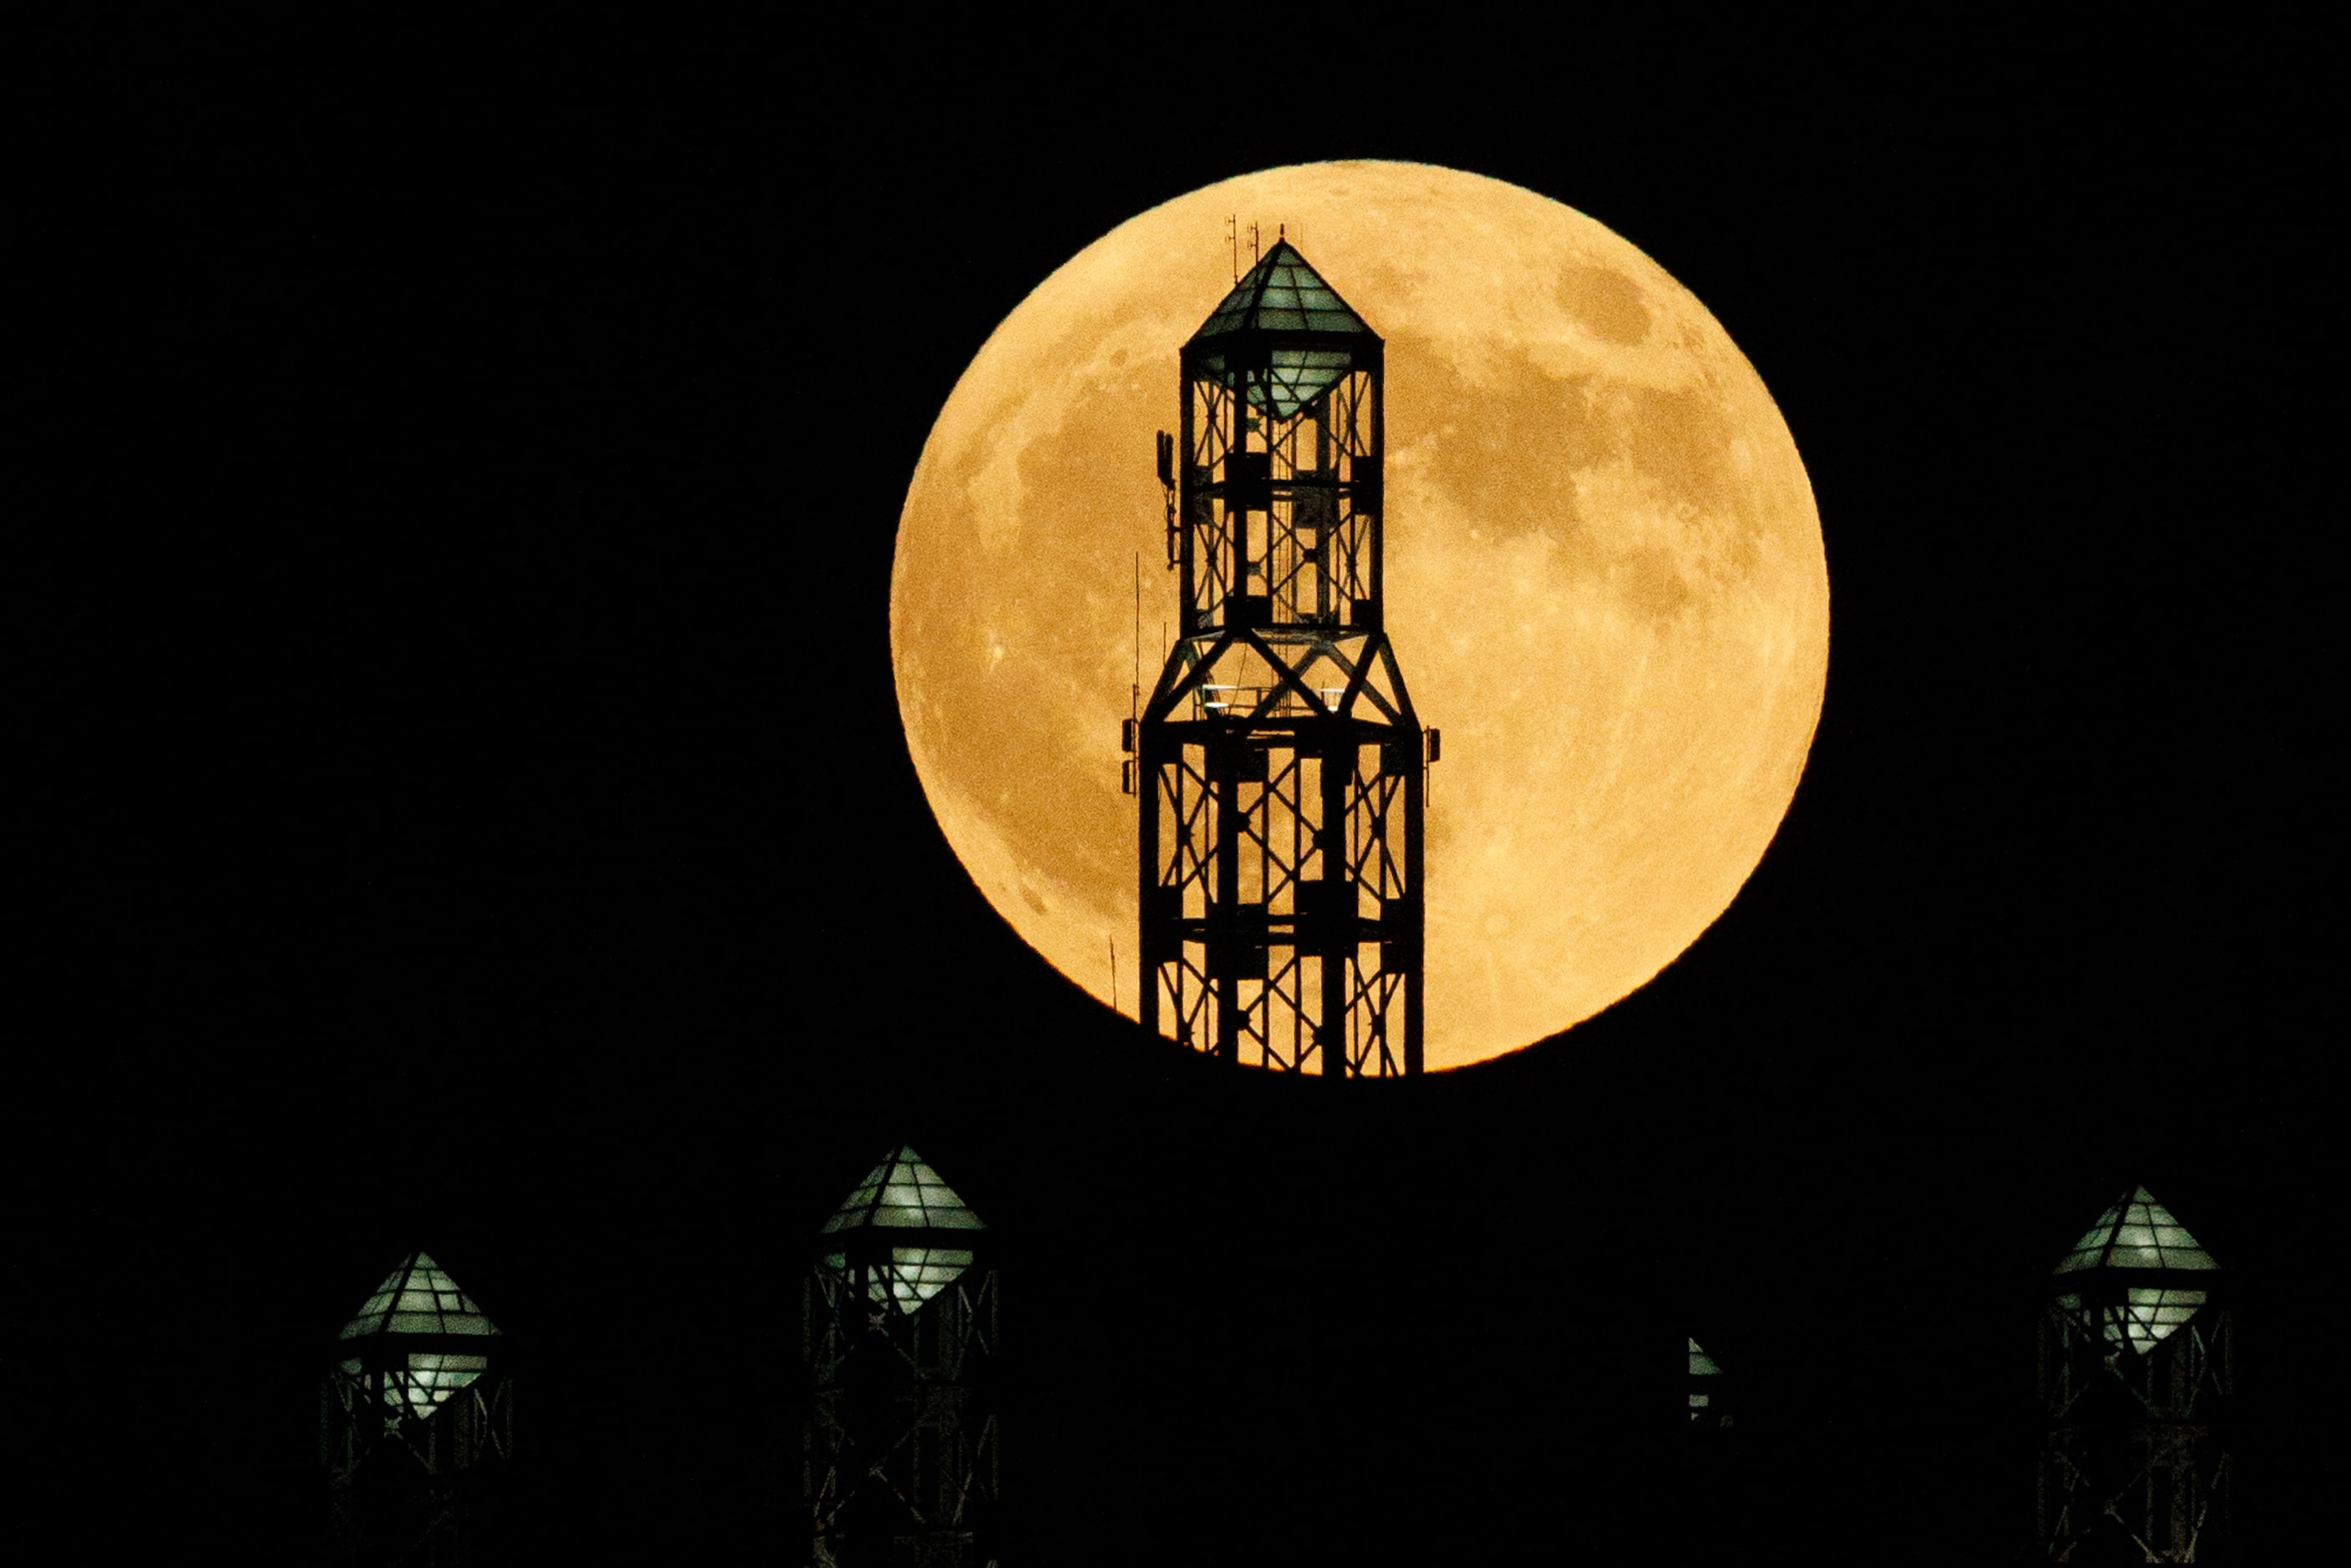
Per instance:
x=2136, y=1232
x=902, y=1193
x=418, y=1297
x=1282, y=294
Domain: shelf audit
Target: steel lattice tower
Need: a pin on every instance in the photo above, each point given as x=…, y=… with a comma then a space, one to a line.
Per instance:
x=2136, y=1381
x=416, y=1425
x=899, y=1317
x=1280, y=763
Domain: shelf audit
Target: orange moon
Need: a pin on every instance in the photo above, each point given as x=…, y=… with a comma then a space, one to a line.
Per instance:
x=1606, y=584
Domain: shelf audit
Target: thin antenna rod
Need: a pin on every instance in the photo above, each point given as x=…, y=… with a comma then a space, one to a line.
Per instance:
x=1135, y=692
x=1233, y=232
x=1113, y=974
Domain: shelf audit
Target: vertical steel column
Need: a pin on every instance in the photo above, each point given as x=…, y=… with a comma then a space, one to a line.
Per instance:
x=1379, y=497
x=1416, y=902
x=1223, y=913
x=1334, y=918
x=1149, y=783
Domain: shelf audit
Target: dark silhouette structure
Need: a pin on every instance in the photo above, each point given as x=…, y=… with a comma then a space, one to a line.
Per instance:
x=899, y=1311
x=1709, y=1511
x=1709, y=1404
x=416, y=1425
x=2135, y=1380
x=1280, y=763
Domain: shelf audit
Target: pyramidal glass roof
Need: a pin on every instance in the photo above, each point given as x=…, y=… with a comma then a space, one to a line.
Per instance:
x=1281, y=293
x=904, y=1193
x=418, y=1297
x=2136, y=1232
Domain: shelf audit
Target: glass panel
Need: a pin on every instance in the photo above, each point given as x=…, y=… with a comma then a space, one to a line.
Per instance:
x=418, y=1297
x=2151, y=1315
x=903, y=1191
x=2137, y=1233
x=1281, y=293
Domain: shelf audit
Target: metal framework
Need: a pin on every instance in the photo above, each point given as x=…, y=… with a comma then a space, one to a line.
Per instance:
x=2137, y=1347
x=416, y=1426
x=1282, y=764
x=899, y=1456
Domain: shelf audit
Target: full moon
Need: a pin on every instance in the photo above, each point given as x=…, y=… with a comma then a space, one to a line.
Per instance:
x=1606, y=584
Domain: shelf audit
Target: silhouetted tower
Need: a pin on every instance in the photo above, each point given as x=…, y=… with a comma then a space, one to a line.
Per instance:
x=1709, y=1405
x=899, y=1310
x=1707, y=1514
x=2134, y=1386
x=1280, y=763
x=416, y=1424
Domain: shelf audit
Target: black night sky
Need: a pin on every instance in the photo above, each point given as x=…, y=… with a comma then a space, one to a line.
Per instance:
x=471, y=812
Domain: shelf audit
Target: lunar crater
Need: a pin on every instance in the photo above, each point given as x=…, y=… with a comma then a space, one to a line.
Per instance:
x=1605, y=302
